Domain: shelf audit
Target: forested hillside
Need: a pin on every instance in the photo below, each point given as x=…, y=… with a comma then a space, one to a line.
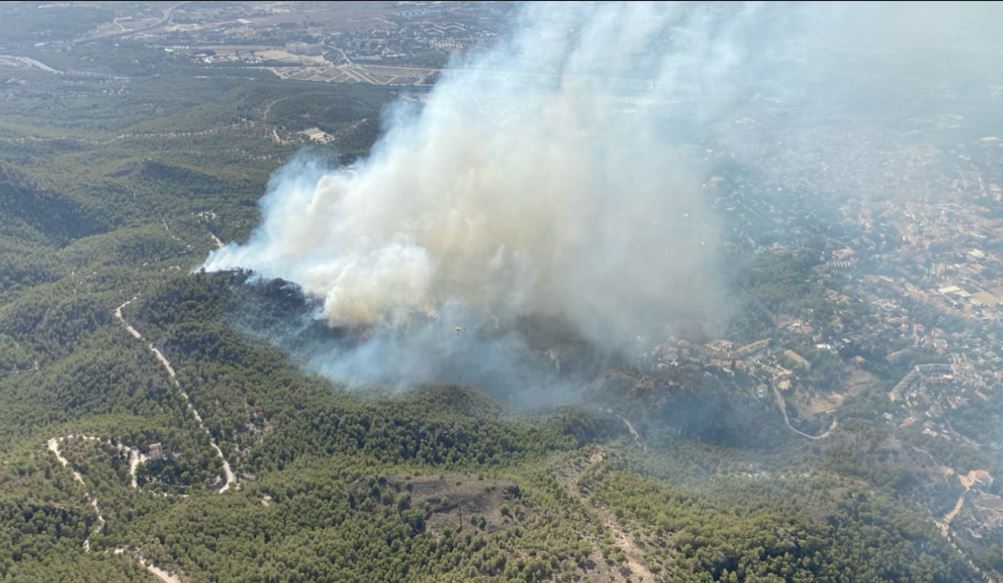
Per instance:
x=150, y=431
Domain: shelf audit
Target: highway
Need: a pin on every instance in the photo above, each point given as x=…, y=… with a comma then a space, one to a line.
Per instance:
x=168, y=14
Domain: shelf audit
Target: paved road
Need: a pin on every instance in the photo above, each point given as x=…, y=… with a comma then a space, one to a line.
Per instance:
x=783, y=409
x=168, y=14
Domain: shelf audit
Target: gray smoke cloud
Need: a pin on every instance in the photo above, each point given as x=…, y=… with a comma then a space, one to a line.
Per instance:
x=559, y=175
x=524, y=186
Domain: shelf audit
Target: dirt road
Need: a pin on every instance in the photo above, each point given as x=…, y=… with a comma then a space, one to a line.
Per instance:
x=54, y=446
x=231, y=478
x=623, y=541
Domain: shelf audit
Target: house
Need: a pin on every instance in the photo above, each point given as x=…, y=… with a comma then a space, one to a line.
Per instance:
x=797, y=360
x=980, y=478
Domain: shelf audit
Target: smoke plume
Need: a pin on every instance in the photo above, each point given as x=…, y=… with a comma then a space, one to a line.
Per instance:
x=530, y=184
x=559, y=175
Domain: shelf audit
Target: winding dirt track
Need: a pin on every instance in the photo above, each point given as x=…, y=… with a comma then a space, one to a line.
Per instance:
x=53, y=445
x=134, y=459
x=623, y=541
x=944, y=526
x=632, y=430
x=162, y=575
x=231, y=478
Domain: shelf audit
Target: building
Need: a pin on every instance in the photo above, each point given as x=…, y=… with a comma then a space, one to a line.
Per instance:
x=797, y=360
x=985, y=298
x=307, y=49
x=318, y=135
x=156, y=451
x=981, y=479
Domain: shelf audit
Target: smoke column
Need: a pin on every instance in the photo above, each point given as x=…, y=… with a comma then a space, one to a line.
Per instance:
x=531, y=183
x=547, y=177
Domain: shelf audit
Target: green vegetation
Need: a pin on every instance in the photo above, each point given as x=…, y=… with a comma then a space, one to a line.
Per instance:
x=783, y=528
x=110, y=189
x=27, y=23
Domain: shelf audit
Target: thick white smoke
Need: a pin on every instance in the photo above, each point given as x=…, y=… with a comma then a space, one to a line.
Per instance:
x=560, y=175
x=535, y=181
